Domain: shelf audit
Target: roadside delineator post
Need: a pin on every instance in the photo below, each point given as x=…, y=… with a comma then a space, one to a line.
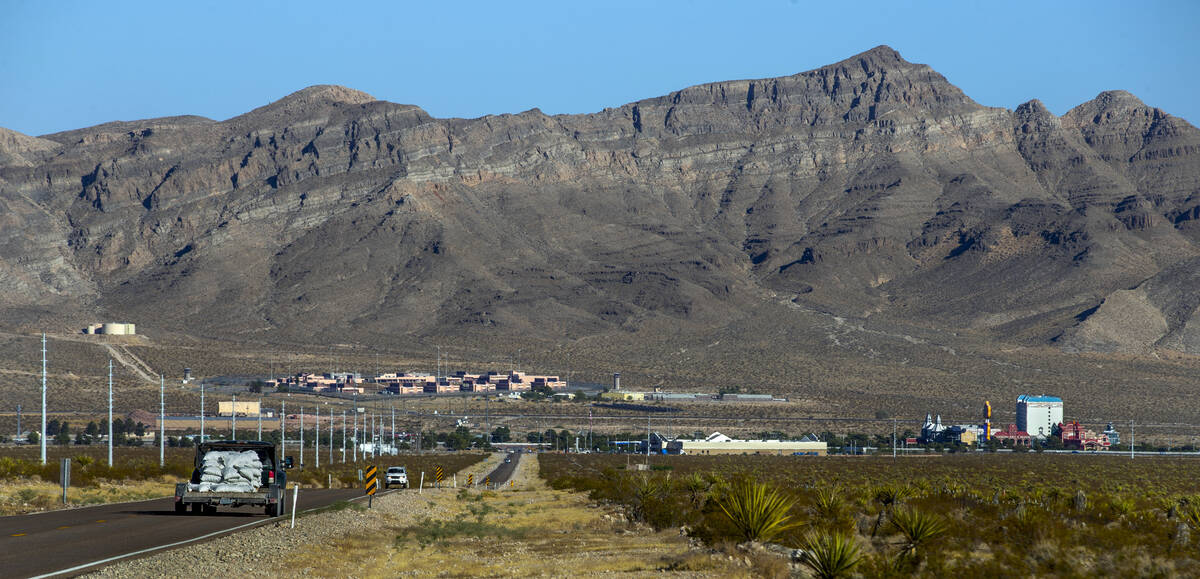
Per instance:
x=421, y=489
x=65, y=475
x=295, y=498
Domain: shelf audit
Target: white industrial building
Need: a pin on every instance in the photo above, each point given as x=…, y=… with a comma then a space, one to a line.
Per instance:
x=1038, y=415
x=112, y=328
x=717, y=443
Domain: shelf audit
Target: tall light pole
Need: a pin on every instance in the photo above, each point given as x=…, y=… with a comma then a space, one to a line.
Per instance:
x=162, y=421
x=43, y=436
x=233, y=421
x=343, y=436
x=110, y=418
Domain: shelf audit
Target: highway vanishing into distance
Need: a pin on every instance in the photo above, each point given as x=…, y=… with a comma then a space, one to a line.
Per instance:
x=73, y=541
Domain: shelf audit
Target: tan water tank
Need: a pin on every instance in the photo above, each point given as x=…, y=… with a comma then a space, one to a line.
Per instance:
x=113, y=329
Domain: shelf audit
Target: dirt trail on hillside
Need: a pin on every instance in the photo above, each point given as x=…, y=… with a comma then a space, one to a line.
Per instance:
x=135, y=364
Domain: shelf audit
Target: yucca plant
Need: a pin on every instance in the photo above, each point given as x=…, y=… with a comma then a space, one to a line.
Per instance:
x=829, y=503
x=696, y=486
x=888, y=497
x=1189, y=513
x=760, y=513
x=830, y=555
x=643, y=489
x=1121, y=506
x=919, y=529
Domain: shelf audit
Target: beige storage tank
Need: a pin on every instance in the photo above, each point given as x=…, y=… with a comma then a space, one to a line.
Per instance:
x=112, y=329
x=130, y=329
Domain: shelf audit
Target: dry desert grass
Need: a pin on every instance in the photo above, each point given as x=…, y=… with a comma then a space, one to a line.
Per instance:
x=525, y=530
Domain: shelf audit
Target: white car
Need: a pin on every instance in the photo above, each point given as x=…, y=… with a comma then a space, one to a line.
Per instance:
x=395, y=476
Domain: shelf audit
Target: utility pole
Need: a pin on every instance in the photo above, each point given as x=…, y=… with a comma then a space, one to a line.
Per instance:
x=1130, y=439
x=355, y=448
x=393, y=437
x=110, y=419
x=233, y=423
x=43, y=436
x=260, y=419
x=439, y=368
x=18, y=422
x=343, y=437
x=162, y=421
x=317, y=439
x=283, y=428
x=301, y=437
x=330, y=436
x=893, y=439
x=647, y=436
x=201, y=412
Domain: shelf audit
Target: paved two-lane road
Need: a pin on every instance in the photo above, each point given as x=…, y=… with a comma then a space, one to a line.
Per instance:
x=78, y=540
x=505, y=471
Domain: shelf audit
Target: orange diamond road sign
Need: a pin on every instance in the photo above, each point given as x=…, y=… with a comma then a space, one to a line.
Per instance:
x=372, y=479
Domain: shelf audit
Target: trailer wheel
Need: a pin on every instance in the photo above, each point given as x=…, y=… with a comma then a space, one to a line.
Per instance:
x=196, y=508
x=180, y=508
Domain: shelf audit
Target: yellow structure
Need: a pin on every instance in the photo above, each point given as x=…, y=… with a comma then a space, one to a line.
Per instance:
x=624, y=395
x=242, y=408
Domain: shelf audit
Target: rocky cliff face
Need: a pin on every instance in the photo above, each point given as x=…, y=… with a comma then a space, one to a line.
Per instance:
x=871, y=186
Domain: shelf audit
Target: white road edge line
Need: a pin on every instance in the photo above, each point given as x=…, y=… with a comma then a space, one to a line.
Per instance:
x=176, y=544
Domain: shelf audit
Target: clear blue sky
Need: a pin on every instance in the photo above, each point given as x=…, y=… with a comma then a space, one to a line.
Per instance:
x=66, y=65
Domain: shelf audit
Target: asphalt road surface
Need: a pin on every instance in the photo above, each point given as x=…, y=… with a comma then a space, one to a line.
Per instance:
x=505, y=470
x=72, y=541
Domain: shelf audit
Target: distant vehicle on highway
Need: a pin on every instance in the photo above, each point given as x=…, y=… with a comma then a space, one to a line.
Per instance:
x=508, y=459
x=395, y=475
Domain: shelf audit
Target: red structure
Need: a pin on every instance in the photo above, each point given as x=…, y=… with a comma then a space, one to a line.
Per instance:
x=1077, y=437
x=1012, y=435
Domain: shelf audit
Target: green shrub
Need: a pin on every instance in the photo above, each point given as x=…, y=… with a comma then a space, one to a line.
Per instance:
x=918, y=528
x=758, y=511
x=830, y=555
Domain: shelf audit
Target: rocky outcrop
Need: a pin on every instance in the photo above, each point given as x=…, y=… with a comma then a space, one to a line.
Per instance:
x=1161, y=312
x=870, y=185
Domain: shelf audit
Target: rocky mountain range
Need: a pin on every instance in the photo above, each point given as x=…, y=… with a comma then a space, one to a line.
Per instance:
x=870, y=188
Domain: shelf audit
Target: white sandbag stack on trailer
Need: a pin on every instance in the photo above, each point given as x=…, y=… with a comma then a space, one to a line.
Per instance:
x=228, y=471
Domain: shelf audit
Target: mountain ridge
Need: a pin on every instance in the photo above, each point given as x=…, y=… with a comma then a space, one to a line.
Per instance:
x=868, y=185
